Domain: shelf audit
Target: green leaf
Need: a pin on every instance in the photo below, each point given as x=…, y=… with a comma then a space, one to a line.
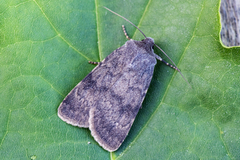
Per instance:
x=45, y=49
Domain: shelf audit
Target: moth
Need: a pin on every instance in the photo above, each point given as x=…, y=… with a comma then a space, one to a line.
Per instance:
x=108, y=99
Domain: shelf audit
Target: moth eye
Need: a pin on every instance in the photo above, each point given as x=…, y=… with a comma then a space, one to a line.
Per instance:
x=152, y=47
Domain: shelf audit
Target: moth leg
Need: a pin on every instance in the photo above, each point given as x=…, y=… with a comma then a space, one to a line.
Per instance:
x=93, y=62
x=124, y=30
x=166, y=63
x=170, y=65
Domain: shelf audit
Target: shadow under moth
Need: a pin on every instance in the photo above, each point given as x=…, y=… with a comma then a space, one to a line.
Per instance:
x=108, y=99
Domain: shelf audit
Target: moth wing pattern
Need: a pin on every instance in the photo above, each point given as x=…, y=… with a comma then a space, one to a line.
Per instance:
x=108, y=99
x=115, y=110
x=75, y=107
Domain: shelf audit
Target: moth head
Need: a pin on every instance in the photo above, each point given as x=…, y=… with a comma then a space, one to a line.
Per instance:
x=149, y=43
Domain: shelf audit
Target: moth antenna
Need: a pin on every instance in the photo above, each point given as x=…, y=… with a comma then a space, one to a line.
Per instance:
x=172, y=63
x=154, y=43
x=167, y=57
x=126, y=20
